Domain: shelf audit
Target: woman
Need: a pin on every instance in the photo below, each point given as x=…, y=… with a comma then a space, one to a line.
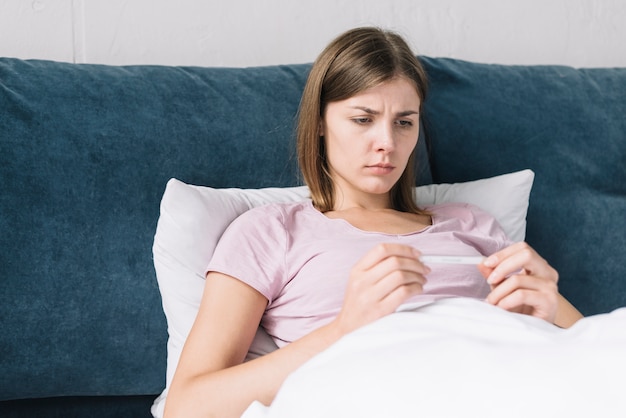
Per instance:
x=314, y=271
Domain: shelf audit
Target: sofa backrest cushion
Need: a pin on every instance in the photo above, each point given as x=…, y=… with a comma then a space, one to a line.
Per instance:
x=85, y=154
x=567, y=125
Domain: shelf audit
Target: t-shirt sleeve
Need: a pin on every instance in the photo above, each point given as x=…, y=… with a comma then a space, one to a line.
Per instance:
x=487, y=234
x=252, y=250
x=486, y=224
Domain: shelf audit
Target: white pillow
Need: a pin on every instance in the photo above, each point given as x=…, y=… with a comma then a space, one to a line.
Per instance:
x=505, y=197
x=193, y=219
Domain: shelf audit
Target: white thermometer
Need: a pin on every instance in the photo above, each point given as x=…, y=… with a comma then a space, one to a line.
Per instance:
x=451, y=259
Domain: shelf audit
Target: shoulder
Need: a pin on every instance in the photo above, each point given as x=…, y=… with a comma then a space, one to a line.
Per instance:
x=264, y=226
x=466, y=217
x=271, y=215
x=276, y=210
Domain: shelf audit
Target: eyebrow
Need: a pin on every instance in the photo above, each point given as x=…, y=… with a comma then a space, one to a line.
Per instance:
x=375, y=112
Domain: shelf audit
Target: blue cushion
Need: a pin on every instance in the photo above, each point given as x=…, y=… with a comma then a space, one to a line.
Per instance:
x=85, y=154
x=86, y=151
x=567, y=125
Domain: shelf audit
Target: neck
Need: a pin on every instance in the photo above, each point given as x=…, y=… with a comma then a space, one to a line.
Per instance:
x=369, y=202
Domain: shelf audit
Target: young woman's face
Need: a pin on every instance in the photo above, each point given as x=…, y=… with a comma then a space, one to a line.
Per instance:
x=370, y=137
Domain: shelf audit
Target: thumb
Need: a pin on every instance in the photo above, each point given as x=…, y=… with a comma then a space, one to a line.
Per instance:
x=484, y=270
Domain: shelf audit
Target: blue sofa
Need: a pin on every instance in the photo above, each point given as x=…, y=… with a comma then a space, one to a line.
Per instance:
x=86, y=152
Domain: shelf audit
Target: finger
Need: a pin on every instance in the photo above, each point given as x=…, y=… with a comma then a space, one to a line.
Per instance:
x=362, y=284
x=509, y=251
x=516, y=282
x=532, y=302
x=532, y=295
x=366, y=301
x=398, y=264
x=506, y=262
x=395, y=289
x=396, y=280
x=513, y=259
x=400, y=295
x=484, y=270
x=383, y=251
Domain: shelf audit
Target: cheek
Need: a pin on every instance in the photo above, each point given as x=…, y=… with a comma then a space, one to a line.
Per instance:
x=408, y=146
x=341, y=141
x=336, y=155
x=343, y=156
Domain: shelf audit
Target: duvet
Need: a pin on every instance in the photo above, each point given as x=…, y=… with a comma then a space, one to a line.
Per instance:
x=462, y=358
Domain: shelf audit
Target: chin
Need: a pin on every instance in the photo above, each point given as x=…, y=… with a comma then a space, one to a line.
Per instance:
x=378, y=189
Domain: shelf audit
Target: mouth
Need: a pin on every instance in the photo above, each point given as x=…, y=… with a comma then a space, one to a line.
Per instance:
x=381, y=165
x=381, y=168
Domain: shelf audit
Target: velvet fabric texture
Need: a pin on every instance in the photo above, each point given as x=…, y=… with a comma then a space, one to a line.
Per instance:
x=79, y=407
x=86, y=152
x=567, y=125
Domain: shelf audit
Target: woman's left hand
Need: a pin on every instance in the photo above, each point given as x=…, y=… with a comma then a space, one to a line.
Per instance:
x=522, y=281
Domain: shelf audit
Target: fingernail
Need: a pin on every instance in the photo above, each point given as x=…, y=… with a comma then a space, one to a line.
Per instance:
x=490, y=261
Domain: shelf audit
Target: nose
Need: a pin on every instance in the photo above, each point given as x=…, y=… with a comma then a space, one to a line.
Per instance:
x=385, y=139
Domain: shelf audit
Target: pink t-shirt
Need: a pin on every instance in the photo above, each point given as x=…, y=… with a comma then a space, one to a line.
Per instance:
x=300, y=260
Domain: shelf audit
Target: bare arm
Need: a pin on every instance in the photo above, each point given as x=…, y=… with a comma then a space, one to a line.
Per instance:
x=211, y=378
x=566, y=314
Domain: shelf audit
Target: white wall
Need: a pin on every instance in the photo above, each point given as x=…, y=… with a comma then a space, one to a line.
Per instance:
x=581, y=33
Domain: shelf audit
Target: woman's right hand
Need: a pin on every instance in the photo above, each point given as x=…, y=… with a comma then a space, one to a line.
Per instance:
x=379, y=283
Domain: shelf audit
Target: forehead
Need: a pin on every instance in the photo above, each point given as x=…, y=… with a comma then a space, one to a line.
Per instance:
x=398, y=93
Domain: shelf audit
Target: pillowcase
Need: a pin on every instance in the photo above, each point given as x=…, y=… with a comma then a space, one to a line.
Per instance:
x=193, y=219
x=505, y=197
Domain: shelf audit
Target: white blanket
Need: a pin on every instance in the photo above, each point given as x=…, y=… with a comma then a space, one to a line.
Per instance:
x=463, y=358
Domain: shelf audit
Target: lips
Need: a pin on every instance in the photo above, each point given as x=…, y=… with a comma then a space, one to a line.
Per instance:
x=381, y=168
x=381, y=165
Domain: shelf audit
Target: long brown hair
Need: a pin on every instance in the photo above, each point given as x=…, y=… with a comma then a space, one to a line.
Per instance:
x=355, y=61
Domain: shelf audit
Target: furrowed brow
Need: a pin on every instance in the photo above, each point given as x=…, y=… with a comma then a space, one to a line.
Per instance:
x=366, y=110
x=376, y=112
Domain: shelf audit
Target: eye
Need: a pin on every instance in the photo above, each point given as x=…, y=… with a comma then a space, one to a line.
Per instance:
x=405, y=123
x=361, y=121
